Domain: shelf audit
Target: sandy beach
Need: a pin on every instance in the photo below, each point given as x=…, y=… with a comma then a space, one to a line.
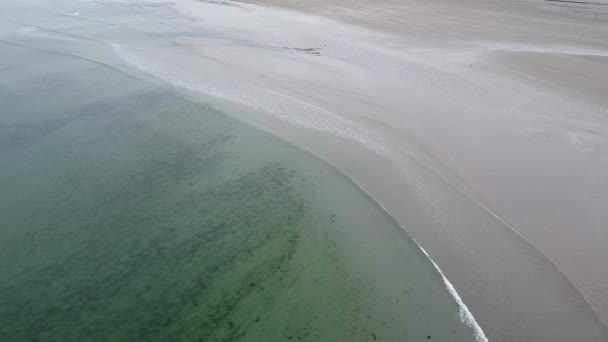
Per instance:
x=505, y=103
x=520, y=124
x=481, y=127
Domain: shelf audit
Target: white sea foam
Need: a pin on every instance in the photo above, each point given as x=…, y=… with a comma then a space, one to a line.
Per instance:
x=465, y=314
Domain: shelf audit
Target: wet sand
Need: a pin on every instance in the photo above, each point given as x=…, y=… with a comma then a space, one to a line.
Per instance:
x=478, y=125
x=503, y=101
x=522, y=127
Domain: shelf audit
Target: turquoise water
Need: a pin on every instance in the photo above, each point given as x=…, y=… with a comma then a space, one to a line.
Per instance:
x=129, y=213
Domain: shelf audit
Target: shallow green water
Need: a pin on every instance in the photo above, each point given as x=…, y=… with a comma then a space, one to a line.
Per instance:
x=128, y=213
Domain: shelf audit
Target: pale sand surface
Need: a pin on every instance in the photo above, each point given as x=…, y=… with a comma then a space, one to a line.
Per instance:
x=524, y=129
x=507, y=103
x=480, y=126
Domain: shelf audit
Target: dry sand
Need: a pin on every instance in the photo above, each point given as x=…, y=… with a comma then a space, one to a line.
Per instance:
x=481, y=126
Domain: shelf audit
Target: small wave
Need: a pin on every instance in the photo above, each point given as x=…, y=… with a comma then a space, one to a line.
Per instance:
x=465, y=314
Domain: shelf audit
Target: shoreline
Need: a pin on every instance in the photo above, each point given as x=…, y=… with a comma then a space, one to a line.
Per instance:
x=480, y=130
x=466, y=316
x=451, y=258
x=576, y=17
x=235, y=226
x=413, y=165
x=502, y=273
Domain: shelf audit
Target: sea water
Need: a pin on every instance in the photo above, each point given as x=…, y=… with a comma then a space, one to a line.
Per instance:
x=131, y=213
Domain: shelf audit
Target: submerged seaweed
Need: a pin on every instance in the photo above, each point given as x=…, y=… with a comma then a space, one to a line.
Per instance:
x=130, y=216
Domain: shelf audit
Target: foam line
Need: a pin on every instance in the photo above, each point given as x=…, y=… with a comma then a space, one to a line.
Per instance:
x=465, y=314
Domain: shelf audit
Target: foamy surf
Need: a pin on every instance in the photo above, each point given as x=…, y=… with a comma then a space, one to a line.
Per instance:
x=465, y=314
